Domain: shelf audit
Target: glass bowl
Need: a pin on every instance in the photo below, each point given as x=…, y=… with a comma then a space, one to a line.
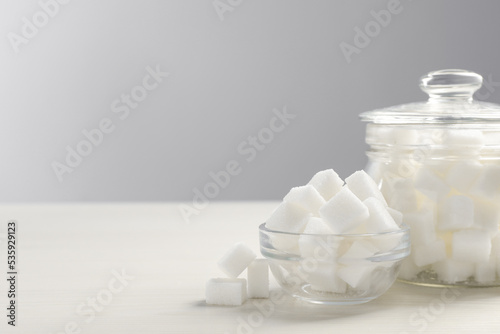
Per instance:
x=335, y=268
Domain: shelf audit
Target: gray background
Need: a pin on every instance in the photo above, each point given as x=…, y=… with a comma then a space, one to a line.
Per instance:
x=226, y=76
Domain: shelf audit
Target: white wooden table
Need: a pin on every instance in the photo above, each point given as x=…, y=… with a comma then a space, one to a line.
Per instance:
x=70, y=256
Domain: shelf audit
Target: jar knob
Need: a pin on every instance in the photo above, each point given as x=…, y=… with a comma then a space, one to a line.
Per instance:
x=446, y=85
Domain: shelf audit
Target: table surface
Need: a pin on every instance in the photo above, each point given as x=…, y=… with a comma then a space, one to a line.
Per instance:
x=140, y=268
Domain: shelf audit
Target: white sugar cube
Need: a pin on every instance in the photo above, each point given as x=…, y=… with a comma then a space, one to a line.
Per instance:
x=327, y=182
x=408, y=269
x=258, y=279
x=486, y=216
x=288, y=217
x=316, y=246
x=396, y=215
x=391, y=135
x=357, y=275
x=431, y=185
x=451, y=271
x=429, y=253
x=226, y=291
x=363, y=186
x=402, y=196
x=422, y=225
x=403, y=136
x=359, y=250
x=471, y=246
x=486, y=271
x=462, y=175
x=380, y=219
x=488, y=183
x=324, y=278
x=344, y=211
x=456, y=212
x=385, y=243
x=467, y=138
x=306, y=197
x=236, y=259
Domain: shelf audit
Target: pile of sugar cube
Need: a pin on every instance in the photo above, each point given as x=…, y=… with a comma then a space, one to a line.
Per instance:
x=233, y=290
x=327, y=206
x=449, y=193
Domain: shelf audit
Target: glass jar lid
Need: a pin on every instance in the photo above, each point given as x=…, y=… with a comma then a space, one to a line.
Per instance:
x=450, y=101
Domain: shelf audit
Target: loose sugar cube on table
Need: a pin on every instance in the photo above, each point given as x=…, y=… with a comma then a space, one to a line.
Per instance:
x=451, y=271
x=380, y=219
x=456, y=212
x=363, y=186
x=344, y=211
x=429, y=253
x=462, y=175
x=471, y=246
x=258, y=279
x=306, y=197
x=236, y=260
x=327, y=183
x=226, y=291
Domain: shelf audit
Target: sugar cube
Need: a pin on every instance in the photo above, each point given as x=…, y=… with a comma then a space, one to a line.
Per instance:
x=486, y=216
x=380, y=219
x=359, y=250
x=431, y=185
x=363, y=186
x=258, y=279
x=344, y=211
x=456, y=212
x=315, y=246
x=226, y=291
x=357, y=275
x=385, y=243
x=236, y=259
x=306, y=197
x=486, y=271
x=432, y=252
x=471, y=246
x=327, y=182
x=402, y=196
x=422, y=225
x=408, y=269
x=488, y=183
x=324, y=278
x=461, y=137
x=462, y=175
x=396, y=215
x=288, y=217
x=451, y=271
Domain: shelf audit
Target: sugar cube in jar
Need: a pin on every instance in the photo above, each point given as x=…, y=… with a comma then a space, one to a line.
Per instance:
x=438, y=163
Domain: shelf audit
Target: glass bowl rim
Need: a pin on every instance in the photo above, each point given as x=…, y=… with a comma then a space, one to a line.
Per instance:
x=404, y=229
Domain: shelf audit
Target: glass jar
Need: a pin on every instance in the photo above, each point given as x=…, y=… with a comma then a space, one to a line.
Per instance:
x=438, y=162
